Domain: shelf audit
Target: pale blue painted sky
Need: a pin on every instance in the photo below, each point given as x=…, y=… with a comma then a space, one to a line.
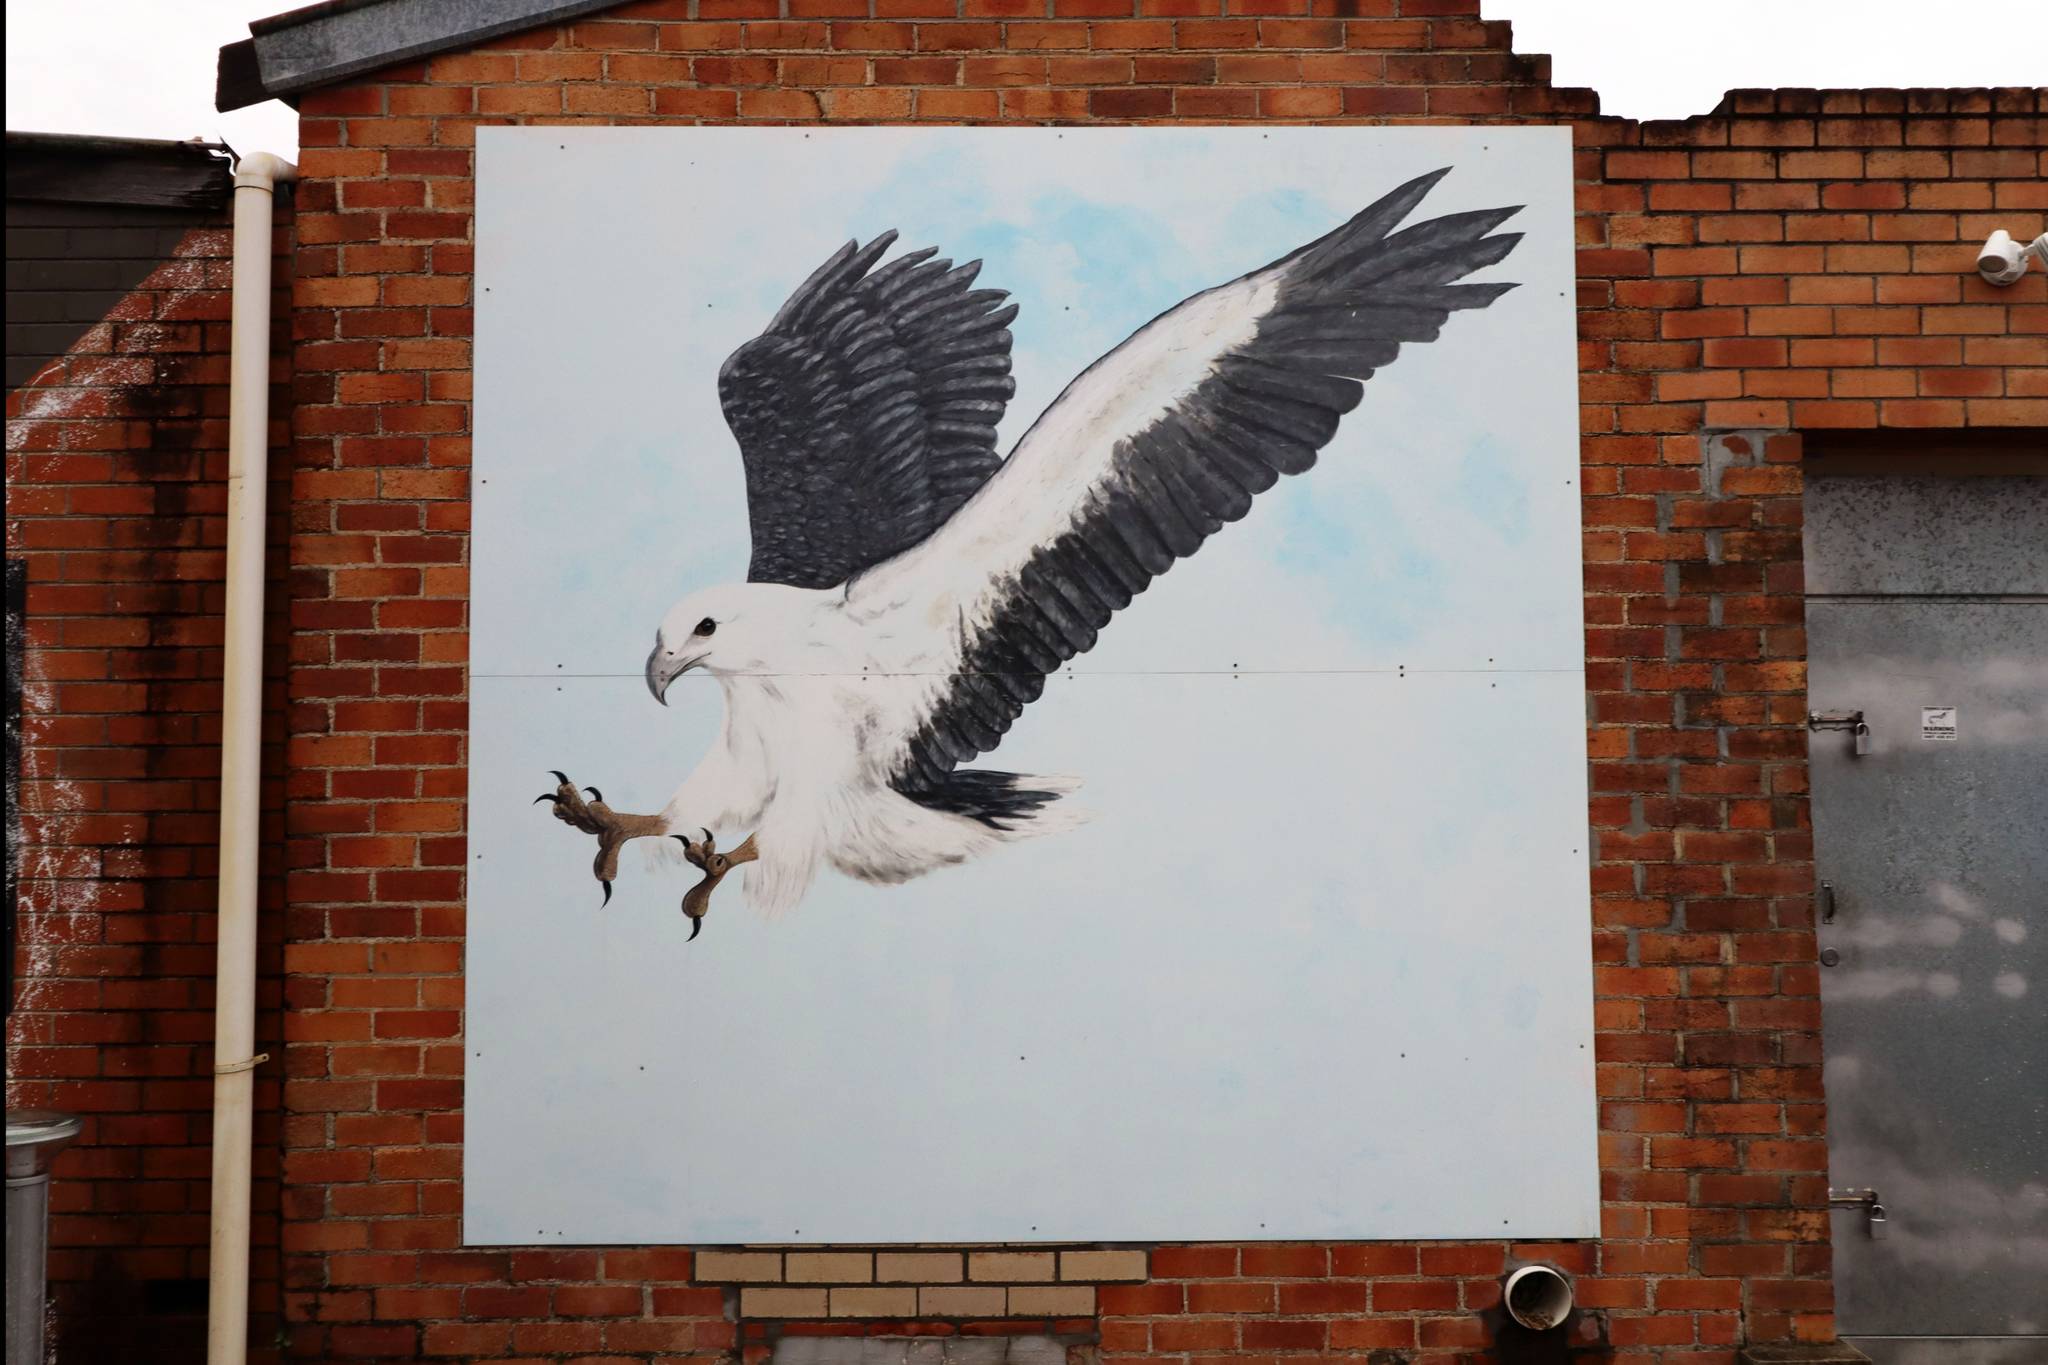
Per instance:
x=1334, y=761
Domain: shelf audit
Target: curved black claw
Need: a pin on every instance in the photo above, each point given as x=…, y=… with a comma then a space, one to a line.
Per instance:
x=560, y=776
x=696, y=928
x=611, y=827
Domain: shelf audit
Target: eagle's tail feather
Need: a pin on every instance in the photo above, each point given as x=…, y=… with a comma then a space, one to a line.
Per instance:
x=1008, y=803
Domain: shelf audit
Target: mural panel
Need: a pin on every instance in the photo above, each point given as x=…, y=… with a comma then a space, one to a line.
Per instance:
x=1026, y=685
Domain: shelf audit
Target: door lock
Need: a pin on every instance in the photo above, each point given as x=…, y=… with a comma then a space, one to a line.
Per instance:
x=1873, y=1211
x=1852, y=721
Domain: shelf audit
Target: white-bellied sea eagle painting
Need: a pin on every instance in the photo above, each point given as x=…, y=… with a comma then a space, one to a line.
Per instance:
x=1085, y=628
x=910, y=588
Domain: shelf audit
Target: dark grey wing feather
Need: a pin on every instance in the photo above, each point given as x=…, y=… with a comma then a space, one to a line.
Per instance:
x=1343, y=307
x=866, y=412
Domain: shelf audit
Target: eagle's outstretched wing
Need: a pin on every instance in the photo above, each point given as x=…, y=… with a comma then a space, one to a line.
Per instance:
x=866, y=412
x=1152, y=449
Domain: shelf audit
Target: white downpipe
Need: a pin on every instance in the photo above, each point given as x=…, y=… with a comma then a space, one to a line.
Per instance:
x=241, y=758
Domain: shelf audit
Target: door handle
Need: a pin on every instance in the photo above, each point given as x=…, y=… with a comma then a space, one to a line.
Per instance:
x=1827, y=902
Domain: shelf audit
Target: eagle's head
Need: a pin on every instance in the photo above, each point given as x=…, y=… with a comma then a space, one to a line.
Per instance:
x=734, y=628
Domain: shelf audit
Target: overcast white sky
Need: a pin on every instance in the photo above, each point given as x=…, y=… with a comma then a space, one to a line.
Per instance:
x=144, y=68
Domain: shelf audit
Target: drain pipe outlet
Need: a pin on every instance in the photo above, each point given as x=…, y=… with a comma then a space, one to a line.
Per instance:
x=1537, y=1296
x=241, y=757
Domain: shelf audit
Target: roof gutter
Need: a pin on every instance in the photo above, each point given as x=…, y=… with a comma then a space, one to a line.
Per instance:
x=241, y=757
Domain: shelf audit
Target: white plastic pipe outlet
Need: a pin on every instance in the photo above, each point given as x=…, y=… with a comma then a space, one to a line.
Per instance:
x=241, y=757
x=1537, y=1297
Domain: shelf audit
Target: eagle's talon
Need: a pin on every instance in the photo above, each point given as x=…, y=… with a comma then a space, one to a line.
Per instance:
x=612, y=828
x=705, y=855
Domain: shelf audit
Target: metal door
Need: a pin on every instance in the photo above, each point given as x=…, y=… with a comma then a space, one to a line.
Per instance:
x=1927, y=614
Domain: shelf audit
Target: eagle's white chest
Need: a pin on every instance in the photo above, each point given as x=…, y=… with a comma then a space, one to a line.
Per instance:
x=787, y=738
x=810, y=744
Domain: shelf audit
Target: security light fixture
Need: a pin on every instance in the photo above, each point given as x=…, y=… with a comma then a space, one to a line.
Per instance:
x=2002, y=260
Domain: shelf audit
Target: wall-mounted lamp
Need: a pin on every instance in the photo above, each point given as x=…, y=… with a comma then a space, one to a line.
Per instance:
x=2002, y=260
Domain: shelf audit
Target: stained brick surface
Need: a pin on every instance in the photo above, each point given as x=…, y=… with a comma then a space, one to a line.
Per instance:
x=116, y=489
x=1797, y=261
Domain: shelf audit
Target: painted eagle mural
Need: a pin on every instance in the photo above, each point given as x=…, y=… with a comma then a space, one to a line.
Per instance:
x=910, y=589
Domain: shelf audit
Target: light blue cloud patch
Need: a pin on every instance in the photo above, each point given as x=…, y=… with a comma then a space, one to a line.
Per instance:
x=1329, y=537
x=1124, y=252
x=1085, y=274
x=1493, y=490
x=944, y=183
x=1277, y=222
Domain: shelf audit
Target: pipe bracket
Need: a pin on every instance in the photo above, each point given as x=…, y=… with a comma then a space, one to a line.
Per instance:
x=247, y=1064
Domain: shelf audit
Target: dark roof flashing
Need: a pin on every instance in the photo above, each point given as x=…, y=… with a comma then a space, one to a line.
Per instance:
x=306, y=14
x=237, y=83
x=65, y=168
x=323, y=44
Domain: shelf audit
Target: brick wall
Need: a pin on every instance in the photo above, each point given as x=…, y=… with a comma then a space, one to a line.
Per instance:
x=116, y=492
x=1797, y=261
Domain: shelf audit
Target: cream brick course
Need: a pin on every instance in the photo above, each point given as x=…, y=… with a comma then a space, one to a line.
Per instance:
x=1052, y=1301
x=962, y=1301
x=1102, y=1265
x=874, y=1303
x=1010, y=1265
x=782, y=1303
x=829, y=1267
x=738, y=1267
x=918, y=1267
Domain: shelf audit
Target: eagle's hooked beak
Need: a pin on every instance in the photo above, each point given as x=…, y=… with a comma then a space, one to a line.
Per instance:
x=663, y=669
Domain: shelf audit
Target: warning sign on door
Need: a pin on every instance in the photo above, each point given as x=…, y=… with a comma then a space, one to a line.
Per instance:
x=1938, y=722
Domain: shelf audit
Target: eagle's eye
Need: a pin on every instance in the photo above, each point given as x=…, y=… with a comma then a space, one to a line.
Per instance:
x=705, y=627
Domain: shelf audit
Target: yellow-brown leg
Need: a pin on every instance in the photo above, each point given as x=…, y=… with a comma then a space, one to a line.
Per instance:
x=612, y=828
x=705, y=855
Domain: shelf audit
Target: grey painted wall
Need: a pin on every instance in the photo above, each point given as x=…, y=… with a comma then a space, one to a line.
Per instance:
x=68, y=264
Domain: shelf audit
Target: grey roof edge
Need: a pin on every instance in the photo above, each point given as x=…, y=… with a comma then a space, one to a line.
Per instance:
x=321, y=44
